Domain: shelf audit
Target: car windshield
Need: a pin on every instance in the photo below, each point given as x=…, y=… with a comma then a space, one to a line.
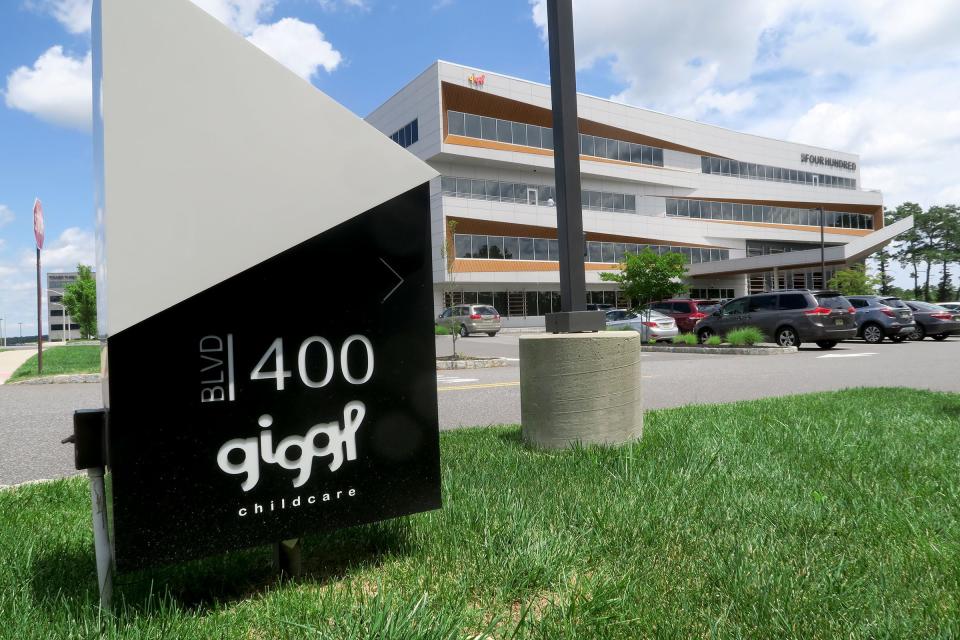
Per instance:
x=894, y=303
x=485, y=311
x=833, y=301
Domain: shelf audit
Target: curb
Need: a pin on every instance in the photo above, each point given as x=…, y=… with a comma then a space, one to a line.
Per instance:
x=734, y=351
x=486, y=363
x=69, y=378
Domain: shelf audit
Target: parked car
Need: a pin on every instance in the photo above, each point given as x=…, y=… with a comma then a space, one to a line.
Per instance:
x=471, y=318
x=952, y=306
x=650, y=324
x=933, y=320
x=880, y=317
x=687, y=313
x=598, y=306
x=788, y=317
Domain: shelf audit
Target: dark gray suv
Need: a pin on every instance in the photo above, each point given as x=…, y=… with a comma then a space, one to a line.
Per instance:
x=880, y=317
x=788, y=317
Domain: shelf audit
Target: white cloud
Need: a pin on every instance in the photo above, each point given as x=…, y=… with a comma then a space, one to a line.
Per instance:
x=875, y=77
x=6, y=215
x=242, y=16
x=74, y=15
x=299, y=46
x=18, y=278
x=56, y=89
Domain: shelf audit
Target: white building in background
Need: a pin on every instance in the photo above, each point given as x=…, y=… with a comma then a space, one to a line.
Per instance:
x=740, y=207
x=59, y=323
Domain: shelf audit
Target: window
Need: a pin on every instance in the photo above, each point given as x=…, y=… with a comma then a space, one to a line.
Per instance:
x=793, y=301
x=752, y=171
x=763, y=303
x=681, y=307
x=455, y=123
x=410, y=132
x=737, y=306
x=462, y=245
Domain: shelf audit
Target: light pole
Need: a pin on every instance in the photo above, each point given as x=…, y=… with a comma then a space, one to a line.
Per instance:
x=21, y=332
x=823, y=269
x=3, y=334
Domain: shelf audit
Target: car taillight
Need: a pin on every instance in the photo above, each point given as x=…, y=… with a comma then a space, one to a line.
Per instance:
x=819, y=311
x=474, y=316
x=889, y=312
x=697, y=316
x=496, y=317
x=941, y=316
x=851, y=310
x=649, y=324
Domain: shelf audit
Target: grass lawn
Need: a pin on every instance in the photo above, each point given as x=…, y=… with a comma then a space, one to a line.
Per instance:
x=819, y=516
x=58, y=360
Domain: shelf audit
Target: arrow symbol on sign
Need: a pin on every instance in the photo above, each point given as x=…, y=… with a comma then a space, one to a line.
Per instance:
x=394, y=273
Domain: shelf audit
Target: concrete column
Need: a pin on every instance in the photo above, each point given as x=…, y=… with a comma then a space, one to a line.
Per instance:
x=580, y=387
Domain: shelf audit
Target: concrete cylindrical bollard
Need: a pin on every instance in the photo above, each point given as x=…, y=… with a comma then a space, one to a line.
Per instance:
x=580, y=387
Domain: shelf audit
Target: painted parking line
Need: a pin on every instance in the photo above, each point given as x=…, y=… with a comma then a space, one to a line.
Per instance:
x=846, y=355
x=489, y=385
x=455, y=380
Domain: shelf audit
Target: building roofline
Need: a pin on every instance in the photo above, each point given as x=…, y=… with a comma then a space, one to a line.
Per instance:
x=661, y=113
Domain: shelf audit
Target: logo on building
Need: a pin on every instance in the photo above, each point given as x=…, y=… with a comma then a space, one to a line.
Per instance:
x=476, y=80
x=809, y=158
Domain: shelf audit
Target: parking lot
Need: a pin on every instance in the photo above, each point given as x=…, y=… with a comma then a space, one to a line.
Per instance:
x=34, y=418
x=472, y=397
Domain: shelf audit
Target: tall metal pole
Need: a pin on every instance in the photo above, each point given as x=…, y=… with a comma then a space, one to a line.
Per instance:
x=823, y=269
x=566, y=154
x=39, y=319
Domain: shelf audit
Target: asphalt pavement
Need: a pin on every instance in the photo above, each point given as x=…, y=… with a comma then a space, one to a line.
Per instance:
x=35, y=418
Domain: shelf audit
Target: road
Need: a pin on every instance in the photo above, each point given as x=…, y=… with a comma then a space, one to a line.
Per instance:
x=33, y=419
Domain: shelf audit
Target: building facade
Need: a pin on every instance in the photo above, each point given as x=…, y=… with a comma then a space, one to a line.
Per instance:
x=60, y=327
x=743, y=209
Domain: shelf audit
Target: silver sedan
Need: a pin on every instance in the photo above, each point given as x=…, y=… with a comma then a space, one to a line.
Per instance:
x=651, y=325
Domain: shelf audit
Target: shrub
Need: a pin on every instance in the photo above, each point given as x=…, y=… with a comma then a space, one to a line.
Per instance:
x=745, y=337
x=440, y=330
x=713, y=341
x=685, y=338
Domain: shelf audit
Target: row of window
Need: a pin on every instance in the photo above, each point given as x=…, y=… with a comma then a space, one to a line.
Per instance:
x=763, y=213
x=407, y=134
x=711, y=293
x=523, y=193
x=512, y=248
x=801, y=279
x=737, y=169
x=763, y=247
x=59, y=327
x=531, y=135
x=527, y=303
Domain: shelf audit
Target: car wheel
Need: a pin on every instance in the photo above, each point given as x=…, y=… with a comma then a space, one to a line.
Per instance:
x=940, y=336
x=787, y=337
x=919, y=333
x=491, y=333
x=872, y=334
x=704, y=334
x=826, y=344
x=463, y=331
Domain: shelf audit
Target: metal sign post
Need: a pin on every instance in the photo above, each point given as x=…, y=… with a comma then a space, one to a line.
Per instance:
x=573, y=316
x=38, y=232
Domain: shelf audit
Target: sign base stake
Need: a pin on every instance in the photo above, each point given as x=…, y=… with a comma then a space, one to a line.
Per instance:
x=101, y=537
x=288, y=557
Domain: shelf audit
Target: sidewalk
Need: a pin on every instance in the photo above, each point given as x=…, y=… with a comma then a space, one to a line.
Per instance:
x=12, y=359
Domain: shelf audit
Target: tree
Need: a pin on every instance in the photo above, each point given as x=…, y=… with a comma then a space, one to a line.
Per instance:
x=884, y=257
x=448, y=254
x=80, y=301
x=854, y=281
x=944, y=229
x=647, y=276
x=910, y=250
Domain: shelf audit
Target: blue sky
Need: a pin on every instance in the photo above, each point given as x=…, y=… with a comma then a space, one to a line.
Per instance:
x=870, y=76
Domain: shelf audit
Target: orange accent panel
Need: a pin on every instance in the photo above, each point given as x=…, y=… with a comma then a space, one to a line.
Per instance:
x=500, y=146
x=792, y=227
x=474, y=265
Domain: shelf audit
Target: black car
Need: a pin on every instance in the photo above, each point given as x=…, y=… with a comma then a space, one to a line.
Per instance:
x=788, y=317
